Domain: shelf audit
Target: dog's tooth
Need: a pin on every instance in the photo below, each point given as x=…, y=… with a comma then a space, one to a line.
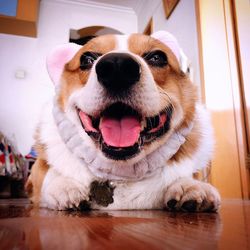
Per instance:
x=153, y=122
x=100, y=121
x=143, y=124
x=140, y=142
x=95, y=122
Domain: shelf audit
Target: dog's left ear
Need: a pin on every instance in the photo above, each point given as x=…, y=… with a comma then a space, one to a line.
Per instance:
x=57, y=59
x=169, y=40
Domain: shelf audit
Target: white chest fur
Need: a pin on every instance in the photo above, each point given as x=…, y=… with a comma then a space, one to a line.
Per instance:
x=144, y=193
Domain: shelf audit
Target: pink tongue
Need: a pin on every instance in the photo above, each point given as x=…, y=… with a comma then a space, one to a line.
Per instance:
x=124, y=132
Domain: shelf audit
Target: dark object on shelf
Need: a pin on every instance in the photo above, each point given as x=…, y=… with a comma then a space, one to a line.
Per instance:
x=17, y=189
x=5, y=187
x=14, y=169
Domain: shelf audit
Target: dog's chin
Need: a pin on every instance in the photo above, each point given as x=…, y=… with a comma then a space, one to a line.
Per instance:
x=121, y=132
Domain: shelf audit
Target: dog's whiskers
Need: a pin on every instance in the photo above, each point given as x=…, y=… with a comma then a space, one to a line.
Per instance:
x=166, y=96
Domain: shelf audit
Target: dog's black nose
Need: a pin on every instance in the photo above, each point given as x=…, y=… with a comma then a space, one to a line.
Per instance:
x=117, y=72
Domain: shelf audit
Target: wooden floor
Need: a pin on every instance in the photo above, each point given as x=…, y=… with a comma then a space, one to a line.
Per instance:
x=23, y=227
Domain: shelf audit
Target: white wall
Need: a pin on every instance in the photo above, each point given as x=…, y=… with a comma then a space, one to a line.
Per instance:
x=182, y=24
x=22, y=99
x=146, y=12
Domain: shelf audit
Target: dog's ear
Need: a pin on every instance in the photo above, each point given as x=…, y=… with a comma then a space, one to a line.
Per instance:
x=57, y=59
x=169, y=40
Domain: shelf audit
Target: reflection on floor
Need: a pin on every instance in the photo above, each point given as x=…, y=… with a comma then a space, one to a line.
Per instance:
x=24, y=227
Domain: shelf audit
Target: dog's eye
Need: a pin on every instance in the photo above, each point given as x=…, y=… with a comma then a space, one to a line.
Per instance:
x=87, y=60
x=156, y=58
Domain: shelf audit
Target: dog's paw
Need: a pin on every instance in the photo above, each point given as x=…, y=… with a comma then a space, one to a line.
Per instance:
x=189, y=195
x=64, y=193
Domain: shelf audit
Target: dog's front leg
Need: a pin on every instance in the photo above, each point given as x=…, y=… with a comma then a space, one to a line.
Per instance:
x=62, y=193
x=189, y=195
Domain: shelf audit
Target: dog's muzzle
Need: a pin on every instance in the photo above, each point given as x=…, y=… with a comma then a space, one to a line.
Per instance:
x=118, y=72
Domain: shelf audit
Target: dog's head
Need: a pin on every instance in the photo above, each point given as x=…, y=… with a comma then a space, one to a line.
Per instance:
x=125, y=94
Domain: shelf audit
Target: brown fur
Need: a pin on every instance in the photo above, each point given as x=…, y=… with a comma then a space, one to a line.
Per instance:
x=140, y=44
x=189, y=147
x=175, y=83
x=73, y=77
x=34, y=183
x=39, y=147
x=38, y=171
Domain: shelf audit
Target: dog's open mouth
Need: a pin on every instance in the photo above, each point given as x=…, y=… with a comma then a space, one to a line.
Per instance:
x=121, y=131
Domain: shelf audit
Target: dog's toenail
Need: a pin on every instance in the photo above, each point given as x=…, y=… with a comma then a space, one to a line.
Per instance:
x=189, y=206
x=172, y=203
x=84, y=206
x=210, y=208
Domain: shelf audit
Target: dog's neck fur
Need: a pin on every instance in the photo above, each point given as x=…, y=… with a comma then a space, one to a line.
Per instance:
x=112, y=170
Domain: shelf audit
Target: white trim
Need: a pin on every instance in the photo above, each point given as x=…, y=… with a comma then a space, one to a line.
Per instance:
x=139, y=7
x=93, y=4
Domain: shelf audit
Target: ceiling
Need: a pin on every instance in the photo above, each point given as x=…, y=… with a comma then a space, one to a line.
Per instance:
x=136, y=5
x=130, y=5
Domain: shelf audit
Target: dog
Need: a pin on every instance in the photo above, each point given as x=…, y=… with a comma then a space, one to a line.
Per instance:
x=124, y=131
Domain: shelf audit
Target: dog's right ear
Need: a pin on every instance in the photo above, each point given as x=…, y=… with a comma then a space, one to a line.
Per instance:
x=57, y=59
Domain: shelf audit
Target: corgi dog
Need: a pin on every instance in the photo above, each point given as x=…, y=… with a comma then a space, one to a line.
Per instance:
x=125, y=129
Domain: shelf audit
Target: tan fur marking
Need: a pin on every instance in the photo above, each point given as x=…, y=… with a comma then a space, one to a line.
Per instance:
x=39, y=147
x=34, y=183
x=171, y=83
x=141, y=44
x=191, y=145
x=73, y=77
x=39, y=169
